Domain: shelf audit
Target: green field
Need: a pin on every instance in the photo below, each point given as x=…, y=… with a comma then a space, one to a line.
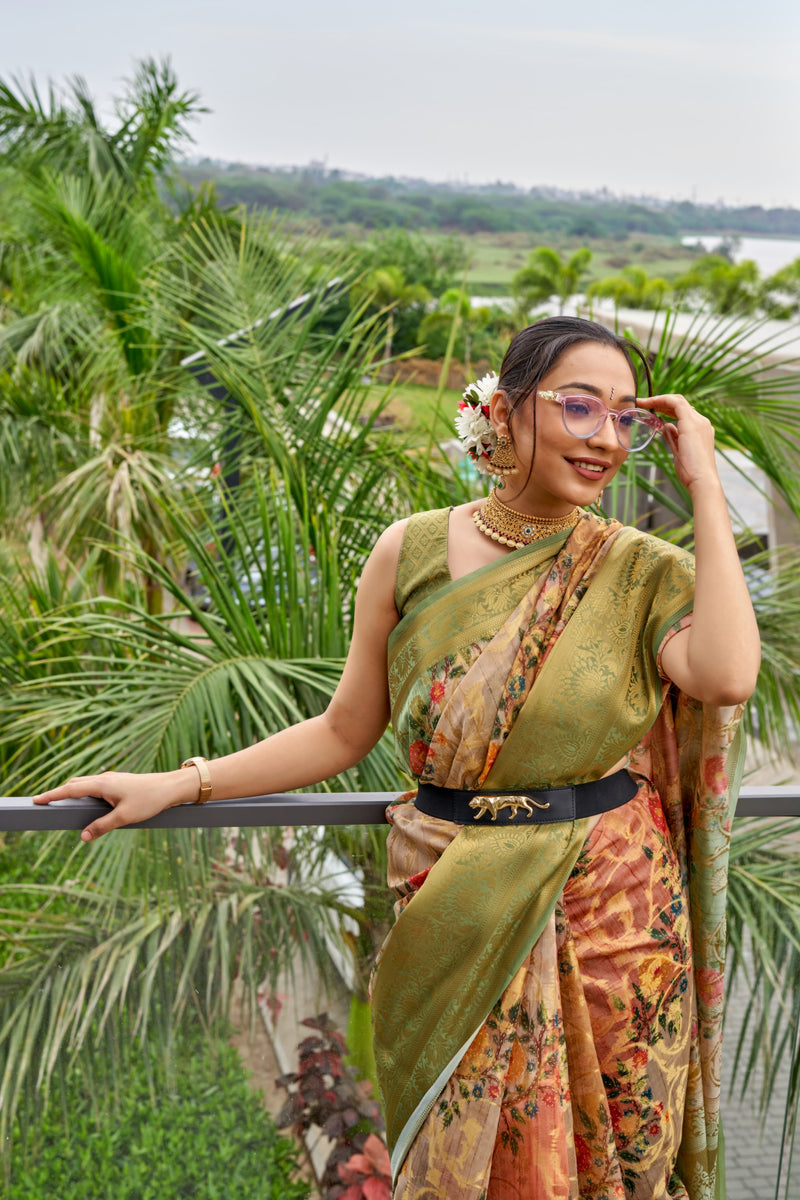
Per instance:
x=495, y=257
x=412, y=409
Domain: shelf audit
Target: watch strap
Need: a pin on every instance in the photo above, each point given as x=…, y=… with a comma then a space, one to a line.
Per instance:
x=205, y=777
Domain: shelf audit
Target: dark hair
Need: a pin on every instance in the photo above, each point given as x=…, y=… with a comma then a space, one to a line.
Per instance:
x=535, y=351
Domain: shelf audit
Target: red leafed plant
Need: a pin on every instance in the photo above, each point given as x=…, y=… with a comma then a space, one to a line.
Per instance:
x=326, y=1093
x=369, y=1174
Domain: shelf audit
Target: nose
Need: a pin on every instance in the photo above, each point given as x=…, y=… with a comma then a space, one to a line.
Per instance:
x=606, y=435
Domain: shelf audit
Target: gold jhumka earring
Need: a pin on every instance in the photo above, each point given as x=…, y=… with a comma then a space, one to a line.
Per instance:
x=502, y=461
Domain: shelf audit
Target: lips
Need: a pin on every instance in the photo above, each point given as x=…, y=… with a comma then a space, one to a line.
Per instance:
x=589, y=468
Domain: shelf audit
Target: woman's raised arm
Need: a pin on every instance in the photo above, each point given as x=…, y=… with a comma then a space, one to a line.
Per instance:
x=717, y=658
x=299, y=756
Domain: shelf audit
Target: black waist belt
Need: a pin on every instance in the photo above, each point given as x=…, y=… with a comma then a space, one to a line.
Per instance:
x=526, y=806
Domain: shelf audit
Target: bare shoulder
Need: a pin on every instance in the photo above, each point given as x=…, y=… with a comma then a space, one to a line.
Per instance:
x=378, y=580
x=385, y=554
x=461, y=521
x=389, y=543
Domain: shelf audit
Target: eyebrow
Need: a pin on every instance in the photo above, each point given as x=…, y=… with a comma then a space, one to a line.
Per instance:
x=595, y=391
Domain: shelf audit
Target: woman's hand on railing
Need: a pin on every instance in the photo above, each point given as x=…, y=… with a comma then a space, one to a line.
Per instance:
x=132, y=797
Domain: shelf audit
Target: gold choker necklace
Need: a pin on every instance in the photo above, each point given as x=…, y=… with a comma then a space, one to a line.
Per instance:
x=511, y=528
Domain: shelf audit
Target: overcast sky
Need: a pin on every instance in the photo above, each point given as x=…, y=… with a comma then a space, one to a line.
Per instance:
x=692, y=99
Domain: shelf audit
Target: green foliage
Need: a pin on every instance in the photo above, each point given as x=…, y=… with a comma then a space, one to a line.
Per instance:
x=404, y=270
x=633, y=288
x=764, y=948
x=481, y=330
x=434, y=263
x=127, y=941
x=59, y=134
x=327, y=198
x=134, y=934
x=83, y=358
x=781, y=292
x=385, y=289
x=385, y=286
x=323, y=1092
x=21, y=863
x=133, y=691
x=729, y=288
x=548, y=274
x=197, y=1131
x=724, y=367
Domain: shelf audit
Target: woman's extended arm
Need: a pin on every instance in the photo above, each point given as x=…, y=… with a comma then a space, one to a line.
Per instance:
x=716, y=659
x=296, y=757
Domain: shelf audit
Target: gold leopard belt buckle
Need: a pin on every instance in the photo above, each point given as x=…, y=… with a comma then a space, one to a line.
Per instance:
x=494, y=804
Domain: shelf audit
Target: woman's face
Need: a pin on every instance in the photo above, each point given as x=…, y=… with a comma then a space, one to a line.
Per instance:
x=566, y=470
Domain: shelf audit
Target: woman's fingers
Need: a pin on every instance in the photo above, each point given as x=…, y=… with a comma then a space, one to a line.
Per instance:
x=678, y=408
x=667, y=402
x=690, y=438
x=670, y=433
x=132, y=797
x=113, y=820
x=80, y=785
x=103, y=786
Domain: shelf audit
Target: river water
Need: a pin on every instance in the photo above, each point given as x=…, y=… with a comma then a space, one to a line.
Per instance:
x=769, y=254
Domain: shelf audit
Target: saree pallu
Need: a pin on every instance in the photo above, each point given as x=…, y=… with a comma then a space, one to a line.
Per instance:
x=541, y=670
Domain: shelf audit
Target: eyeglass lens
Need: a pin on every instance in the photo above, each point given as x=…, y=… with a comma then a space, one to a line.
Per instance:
x=584, y=415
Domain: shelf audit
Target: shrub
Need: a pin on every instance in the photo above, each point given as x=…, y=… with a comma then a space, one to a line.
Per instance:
x=207, y=1137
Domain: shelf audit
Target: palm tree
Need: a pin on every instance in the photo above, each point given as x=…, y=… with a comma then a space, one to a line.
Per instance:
x=88, y=679
x=726, y=369
x=763, y=928
x=453, y=306
x=67, y=135
x=88, y=244
x=106, y=290
x=728, y=288
x=384, y=290
x=633, y=288
x=780, y=293
x=547, y=274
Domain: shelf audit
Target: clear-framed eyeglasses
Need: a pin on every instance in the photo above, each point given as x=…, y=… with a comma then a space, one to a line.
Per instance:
x=585, y=415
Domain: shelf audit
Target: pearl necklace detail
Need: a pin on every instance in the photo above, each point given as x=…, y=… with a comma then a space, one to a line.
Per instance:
x=515, y=529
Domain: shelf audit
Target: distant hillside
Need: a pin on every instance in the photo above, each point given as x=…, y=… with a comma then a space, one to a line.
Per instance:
x=337, y=201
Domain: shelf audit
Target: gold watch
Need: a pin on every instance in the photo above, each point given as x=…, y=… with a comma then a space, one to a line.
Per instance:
x=205, y=777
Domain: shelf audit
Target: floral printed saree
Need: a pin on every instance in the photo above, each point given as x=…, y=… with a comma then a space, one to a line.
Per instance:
x=547, y=1008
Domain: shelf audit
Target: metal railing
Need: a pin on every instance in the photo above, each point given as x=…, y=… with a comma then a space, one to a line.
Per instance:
x=307, y=808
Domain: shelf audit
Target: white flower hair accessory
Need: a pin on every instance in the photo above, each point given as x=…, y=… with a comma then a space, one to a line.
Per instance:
x=473, y=426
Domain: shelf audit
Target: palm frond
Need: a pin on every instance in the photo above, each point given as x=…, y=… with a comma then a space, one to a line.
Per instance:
x=773, y=713
x=128, y=689
x=738, y=375
x=116, y=950
x=764, y=945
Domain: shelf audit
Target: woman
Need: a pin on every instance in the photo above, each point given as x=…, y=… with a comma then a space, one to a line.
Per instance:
x=547, y=1006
